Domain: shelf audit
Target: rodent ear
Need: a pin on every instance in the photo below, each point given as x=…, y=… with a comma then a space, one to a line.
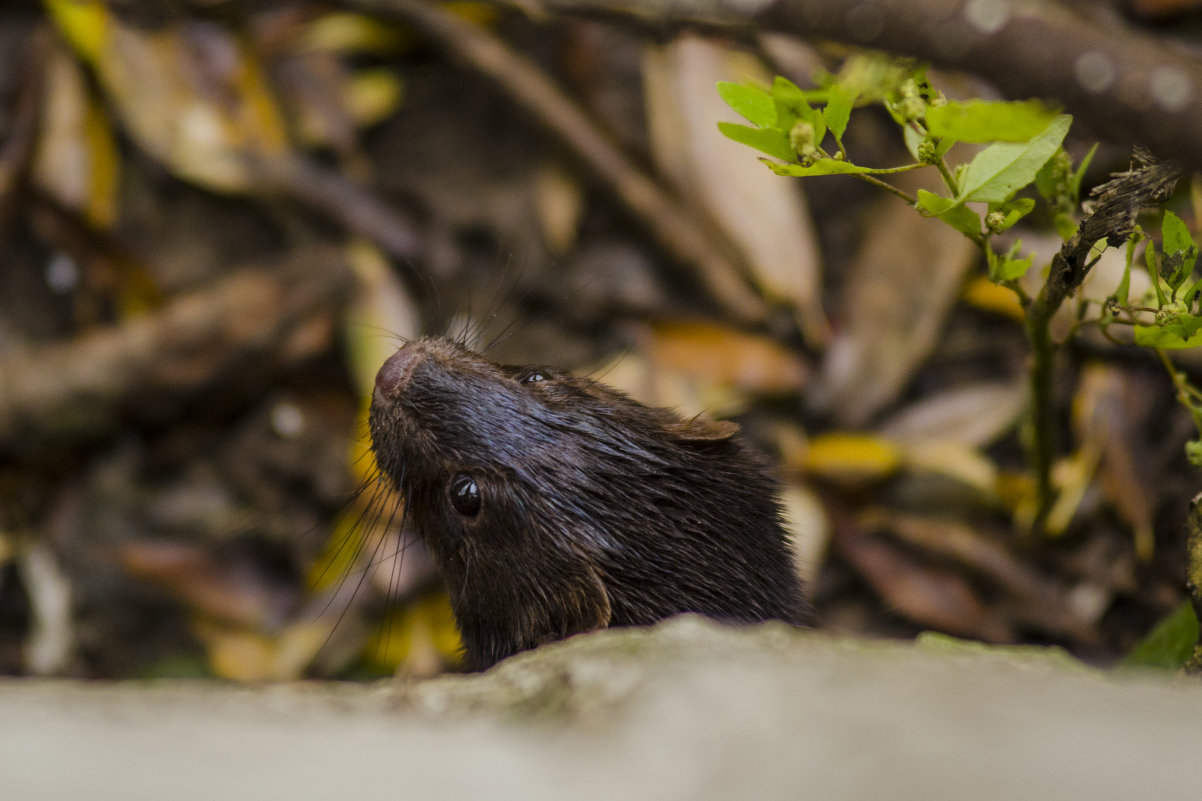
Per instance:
x=702, y=429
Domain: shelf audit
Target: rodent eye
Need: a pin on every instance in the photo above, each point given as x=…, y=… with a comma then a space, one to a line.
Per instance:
x=465, y=495
x=532, y=377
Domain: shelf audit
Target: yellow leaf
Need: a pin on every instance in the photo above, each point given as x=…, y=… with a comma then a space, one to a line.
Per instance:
x=954, y=460
x=297, y=645
x=1072, y=477
x=421, y=638
x=101, y=208
x=855, y=457
x=343, y=32
x=84, y=23
x=483, y=14
x=984, y=294
x=381, y=316
x=237, y=654
x=372, y=95
x=357, y=534
x=721, y=355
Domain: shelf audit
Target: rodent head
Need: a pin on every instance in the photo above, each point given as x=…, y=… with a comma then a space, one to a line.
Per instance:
x=467, y=440
x=554, y=504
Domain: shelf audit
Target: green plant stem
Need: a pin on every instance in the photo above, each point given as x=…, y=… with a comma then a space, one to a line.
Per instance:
x=1041, y=443
x=948, y=178
x=1147, y=183
x=1187, y=394
x=887, y=187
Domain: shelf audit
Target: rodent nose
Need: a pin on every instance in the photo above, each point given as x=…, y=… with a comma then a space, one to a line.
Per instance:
x=395, y=373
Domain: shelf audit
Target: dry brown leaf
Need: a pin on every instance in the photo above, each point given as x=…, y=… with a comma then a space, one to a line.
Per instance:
x=974, y=416
x=52, y=635
x=654, y=384
x=767, y=217
x=696, y=367
x=717, y=354
x=559, y=202
x=953, y=460
x=928, y=595
x=900, y=288
x=76, y=160
x=809, y=530
x=1031, y=597
x=1104, y=425
x=219, y=590
x=189, y=92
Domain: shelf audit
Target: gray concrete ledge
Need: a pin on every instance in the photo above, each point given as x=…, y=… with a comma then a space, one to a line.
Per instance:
x=689, y=710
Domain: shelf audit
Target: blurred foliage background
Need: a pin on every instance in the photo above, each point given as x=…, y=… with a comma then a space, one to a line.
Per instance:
x=218, y=218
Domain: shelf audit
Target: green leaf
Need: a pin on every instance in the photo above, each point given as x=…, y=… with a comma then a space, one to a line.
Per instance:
x=1013, y=211
x=1193, y=452
x=957, y=215
x=1181, y=332
x=989, y=121
x=1152, y=262
x=838, y=110
x=1002, y=169
x=1075, y=184
x=791, y=95
x=791, y=106
x=1170, y=644
x=765, y=140
x=1191, y=293
x=751, y=102
x=1174, y=269
x=1009, y=268
x=1175, y=234
x=822, y=167
x=1047, y=178
x=1122, y=294
x=913, y=139
x=1065, y=226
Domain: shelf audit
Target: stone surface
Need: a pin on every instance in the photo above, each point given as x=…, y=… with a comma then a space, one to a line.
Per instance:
x=690, y=710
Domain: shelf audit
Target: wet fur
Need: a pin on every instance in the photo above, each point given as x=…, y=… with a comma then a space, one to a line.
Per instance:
x=595, y=510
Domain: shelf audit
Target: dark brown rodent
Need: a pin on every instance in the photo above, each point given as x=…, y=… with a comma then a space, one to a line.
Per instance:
x=554, y=505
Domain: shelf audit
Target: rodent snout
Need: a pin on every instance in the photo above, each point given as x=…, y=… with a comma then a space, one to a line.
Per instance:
x=396, y=371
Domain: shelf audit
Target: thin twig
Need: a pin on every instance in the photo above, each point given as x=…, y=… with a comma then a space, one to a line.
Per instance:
x=886, y=186
x=674, y=226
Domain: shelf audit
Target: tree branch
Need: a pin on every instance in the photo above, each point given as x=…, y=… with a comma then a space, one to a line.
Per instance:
x=220, y=341
x=1120, y=82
